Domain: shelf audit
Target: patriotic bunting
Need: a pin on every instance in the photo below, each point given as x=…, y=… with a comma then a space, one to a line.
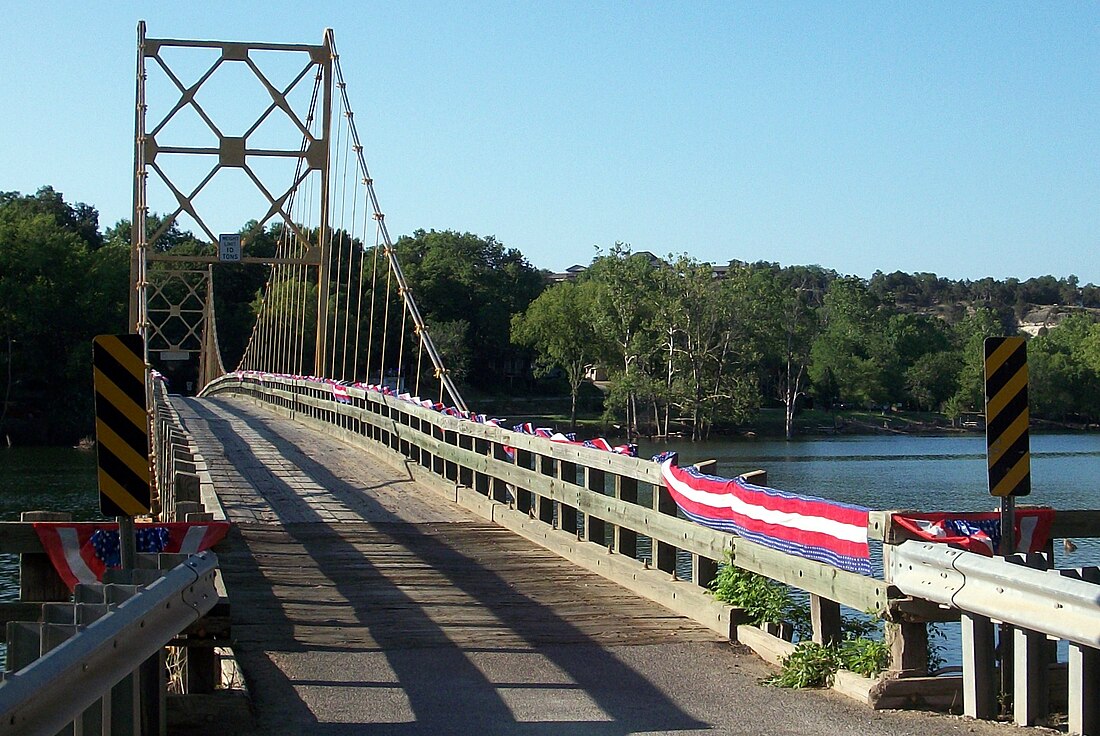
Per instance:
x=814, y=528
x=981, y=532
x=82, y=552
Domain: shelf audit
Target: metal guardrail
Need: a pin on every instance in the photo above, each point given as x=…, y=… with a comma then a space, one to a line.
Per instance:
x=1037, y=600
x=57, y=688
x=1037, y=604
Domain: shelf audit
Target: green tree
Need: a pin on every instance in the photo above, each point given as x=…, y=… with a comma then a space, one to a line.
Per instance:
x=852, y=349
x=558, y=326
x=787, y=322
x=461, y=276
x=59, y=287
x=1063, y=371
x=969, y=343
x=623, y=311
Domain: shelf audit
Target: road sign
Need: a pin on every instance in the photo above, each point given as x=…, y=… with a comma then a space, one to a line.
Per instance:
x=1006, y=416
x=121, y=424
x=229, y=247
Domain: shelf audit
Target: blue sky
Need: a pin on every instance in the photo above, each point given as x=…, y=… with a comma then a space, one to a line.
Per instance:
x=957, y=138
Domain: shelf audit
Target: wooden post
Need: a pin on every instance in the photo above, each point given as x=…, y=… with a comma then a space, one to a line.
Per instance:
x=1030, y=689
x=481, y=481
x=980, y=681
x=202, y=668
x=153, y=678
x=908, y=648
x=38, y=581
x=524, y=500
x=501, y=493
x=595, y=529
x=825, y=619
x=187, y=487
x=664, y=554
x=567, y=515
x=1084, y=690
x=464, y=476
x=626, y=540
x=703, y=570
x=545, y=511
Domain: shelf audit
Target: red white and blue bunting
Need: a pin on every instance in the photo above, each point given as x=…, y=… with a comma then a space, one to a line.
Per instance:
x=815, y=528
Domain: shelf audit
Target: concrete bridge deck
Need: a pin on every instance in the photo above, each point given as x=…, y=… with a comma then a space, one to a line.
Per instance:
x=364, y=603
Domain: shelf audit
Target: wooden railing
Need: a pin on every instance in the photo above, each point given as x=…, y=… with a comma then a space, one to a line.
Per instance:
x=613, y=502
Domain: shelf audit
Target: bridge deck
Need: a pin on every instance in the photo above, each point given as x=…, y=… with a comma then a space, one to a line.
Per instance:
x=364, y=603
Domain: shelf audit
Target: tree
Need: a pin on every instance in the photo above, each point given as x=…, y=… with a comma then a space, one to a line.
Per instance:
x=558, y=326
x=969, y=343
x=852, y=349
x=623, y=309
x=461, y=276
x=59, y=287
x=1063, y=367
x=790, y=323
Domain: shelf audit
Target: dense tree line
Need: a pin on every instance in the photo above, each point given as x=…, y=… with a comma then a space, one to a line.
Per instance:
x=61, y=283
x=680, y=344
x=682, y=348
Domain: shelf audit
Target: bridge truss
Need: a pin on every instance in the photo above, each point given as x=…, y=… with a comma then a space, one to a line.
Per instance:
x=335, y=304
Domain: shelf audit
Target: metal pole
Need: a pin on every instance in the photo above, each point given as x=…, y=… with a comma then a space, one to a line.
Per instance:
x=127, y=546
x=1008, y=546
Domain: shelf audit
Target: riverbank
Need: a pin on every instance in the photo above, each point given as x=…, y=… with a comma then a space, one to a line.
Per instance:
x=768, y=423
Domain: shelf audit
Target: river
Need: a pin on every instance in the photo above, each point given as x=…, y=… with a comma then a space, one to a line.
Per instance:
x=882, y=472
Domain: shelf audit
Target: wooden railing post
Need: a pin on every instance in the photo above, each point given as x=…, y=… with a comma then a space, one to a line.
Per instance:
x=501, y=493
x=626, y=540
x=567, y=515
x=825, y=619
x=481, y=480
x=595, y=529
x=545, y=511
x=664, y=554
x=524, y=498
x=465, y=475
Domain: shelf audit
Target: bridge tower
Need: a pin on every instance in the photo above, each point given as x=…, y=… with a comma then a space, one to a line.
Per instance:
x=170, y=304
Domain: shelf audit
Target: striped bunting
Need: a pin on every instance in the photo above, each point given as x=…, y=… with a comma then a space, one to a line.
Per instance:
x=824, y=531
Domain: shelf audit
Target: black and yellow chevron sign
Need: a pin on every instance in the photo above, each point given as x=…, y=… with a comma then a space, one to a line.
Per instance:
x=121, y=424
x=1006, y=416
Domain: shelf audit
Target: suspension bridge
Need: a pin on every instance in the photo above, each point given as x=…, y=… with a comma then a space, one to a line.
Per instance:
x=399, y=563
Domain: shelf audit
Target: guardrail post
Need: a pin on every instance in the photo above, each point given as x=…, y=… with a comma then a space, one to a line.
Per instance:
x=1084, y=690
x=626, y=540
x=980, y=679
x=153, y=677
x=38, y=581
x=187, y=487
x=595, y=529
x=1030, y=681
x=908, y=647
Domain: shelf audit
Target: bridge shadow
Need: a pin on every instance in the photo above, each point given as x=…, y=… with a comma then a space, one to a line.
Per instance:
x=546, y=677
